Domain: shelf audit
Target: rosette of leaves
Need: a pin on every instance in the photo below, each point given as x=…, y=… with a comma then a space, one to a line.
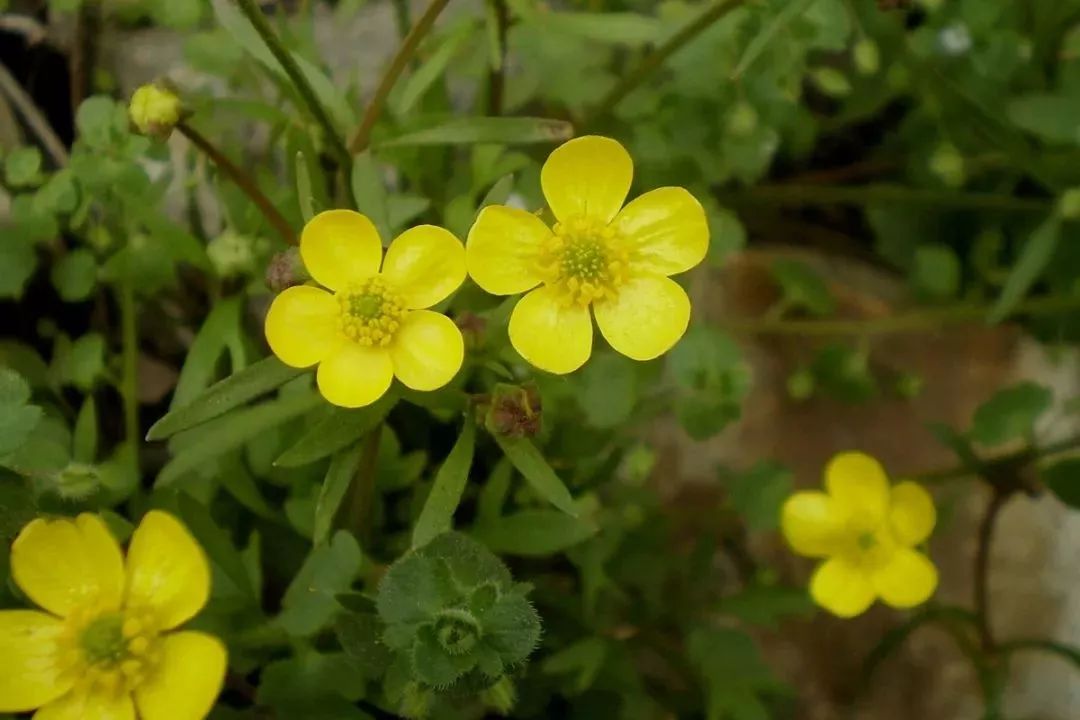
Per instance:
x=454, y=616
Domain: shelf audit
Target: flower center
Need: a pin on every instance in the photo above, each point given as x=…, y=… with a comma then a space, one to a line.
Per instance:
x=370, y=312
x=585, y=260
x=103, y=640
x=112, y=651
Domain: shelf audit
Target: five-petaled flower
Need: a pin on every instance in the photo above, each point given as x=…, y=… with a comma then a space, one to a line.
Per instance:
x=372, y=325
x=616, y=259
x=103, y=646
x=868, y=531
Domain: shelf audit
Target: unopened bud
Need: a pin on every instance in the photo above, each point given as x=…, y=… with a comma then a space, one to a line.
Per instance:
x=285, y=270
x=77, y=481
x=867, y=58
x=511, y=411
x=231, y=253
x=155, y=110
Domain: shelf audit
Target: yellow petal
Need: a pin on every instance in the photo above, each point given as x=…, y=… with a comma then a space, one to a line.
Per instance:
x=302, y=325
x=428, y=350
x=550, y=335
x=502, y=249
x=355, y=375
x=665, y=230
x=858, y=484
x=911, y=513
x=95, y=706
x=340, y=247
x=907, y=580
x=167, y=570
x=587, y=177
x=841, y=587
x=425, y=264
x=29, y=677
x=64, y=564
x=186, y=681
x=812, y=524
x=646, y=318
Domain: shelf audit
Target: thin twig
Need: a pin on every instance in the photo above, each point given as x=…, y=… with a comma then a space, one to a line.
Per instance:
x=657, y=57
x=982, y=567
x=255, y=15
x=33, y=117
x=362, y=137
x=242, y=180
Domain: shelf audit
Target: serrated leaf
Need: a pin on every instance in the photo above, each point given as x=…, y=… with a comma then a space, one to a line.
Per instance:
x=232, y=392
x=339, y=475
x=438, y=513
x=337, y=430
x=532, y=465
x=1034, y=257
x=534, y=533
x=498, y=130
x=512, y=628
x=1010, y=414
x=309, y=604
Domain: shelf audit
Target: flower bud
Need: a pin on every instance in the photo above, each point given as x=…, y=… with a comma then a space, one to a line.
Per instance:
x=512, y=411
x=285, y=270
x=78, y=481
x=866, y=56
x=155, y=110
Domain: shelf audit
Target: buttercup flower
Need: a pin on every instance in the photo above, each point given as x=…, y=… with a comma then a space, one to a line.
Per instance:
x=102, y=648
x=615, y=259
x=372, y=325
x=868, y=532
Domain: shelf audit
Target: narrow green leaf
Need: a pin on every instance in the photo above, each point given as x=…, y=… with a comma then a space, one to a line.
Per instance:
x=369, y=193
x=433, y=68
x=530, y=463
x=494, y=36
x=232, y=392
x=220, y=328
x=342, y=469
x=615, y=28
x=500, y=130
x=757, y=46
x=243, y=425
x=337, y=430
x=85, y=436
x=1051, y=117
x=492, y=497
x=303, y=187
x=533, y=533
x=438, y=513
x=1033, y=259
x=498, y=193
x=215, y=540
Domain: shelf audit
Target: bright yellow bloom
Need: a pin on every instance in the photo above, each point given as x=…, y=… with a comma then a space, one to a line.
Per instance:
x=103, y=648
x=154, y=110
x=868, y=532
x=616, y=259
x=373, y=325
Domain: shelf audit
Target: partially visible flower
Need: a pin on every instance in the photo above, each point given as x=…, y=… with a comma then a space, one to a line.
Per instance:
x=599, y=254
x=371, y=326
x=512, y=411
x=103, y=647
x=155, y=110
x=867, y=531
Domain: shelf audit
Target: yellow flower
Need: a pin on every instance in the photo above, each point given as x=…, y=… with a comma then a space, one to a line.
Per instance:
x=373, y=325
x=103, y=647
x=154, y=110
x=616, y=259
x=867, y=531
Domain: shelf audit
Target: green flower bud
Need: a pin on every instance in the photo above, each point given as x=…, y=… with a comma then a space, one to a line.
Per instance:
x=231, y=253
x=155, y=110
x=867, y=58
x=78, y=481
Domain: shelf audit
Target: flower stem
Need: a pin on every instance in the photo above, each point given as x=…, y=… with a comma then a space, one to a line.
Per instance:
x=362, y=138
x=255, y=15
x=982, y=567
x=657, y=57
x=129, y=380
x=33, y=118
x=497, y=75
x=362, y=490
x=921, y=320
x=242, y=180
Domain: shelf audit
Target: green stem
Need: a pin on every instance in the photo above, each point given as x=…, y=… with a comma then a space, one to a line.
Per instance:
x=659, y=56
x=799, y=195
x=255, y=15
x=1067, y=652
x=982, y=568
x=242, y=180
x=129, y=382
x=1026, y=454
x=362, y=491
x=921, y=320
x=362, y=137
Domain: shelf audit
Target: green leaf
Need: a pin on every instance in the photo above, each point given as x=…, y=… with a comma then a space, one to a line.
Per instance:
x=584, y=657
x=512, y=627
x=216, y=542
x=1010, y=414
x=74, y=275
x=616, y=28
x=221, y=329
x=22, y=166
x=1054, y=118
x=802, y=288
x=499, y=192
x=533, y=533
x=18, y=261
x=17, y=506
x=607, y=390
x=761, y=40
x=14, y=390
x=309, y=604
x=532, y=465
x=758, y=493
x=1063, y=479
x=85, y=436
x=231, y=432
x=336, y=430
x=438, y=513
x=304, y=194
x=936, y=272
x=100, y=121
x=230, y=393
x=82, y=362
x=296, y=684
x=767, y=605
x=360, y=635
x=433, y=68
x=501, y=130
x=339, y=475
x=369, y=193
x=733, y=671
x=1034, y=258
